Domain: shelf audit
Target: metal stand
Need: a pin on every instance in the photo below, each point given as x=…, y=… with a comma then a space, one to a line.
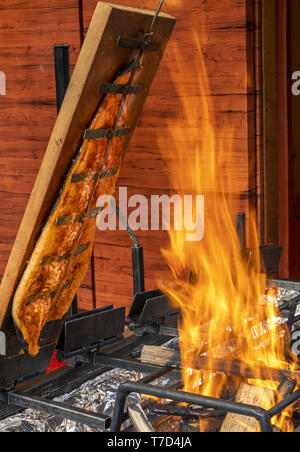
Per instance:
x=137, y=255
x=62, y=79
x=143, y=387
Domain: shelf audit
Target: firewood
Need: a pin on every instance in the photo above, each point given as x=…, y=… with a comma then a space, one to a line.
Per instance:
x=250, y=395
x=258, y=396
x=139, y=419
x=162, y=356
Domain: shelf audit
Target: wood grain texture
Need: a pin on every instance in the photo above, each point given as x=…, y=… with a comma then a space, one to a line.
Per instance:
x=226, y=53
x=294, y=65
x=28, y=32
x=99, y=61
x=233, y=76
x=270, y=121
x=249, y=395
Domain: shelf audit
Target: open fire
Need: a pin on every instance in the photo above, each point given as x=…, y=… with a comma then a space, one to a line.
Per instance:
x=227, y=363
x=226, y=311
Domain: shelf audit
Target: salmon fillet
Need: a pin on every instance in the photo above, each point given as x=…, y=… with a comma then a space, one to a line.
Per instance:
x=62, y=253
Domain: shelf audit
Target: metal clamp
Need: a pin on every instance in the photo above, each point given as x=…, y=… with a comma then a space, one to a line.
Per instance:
x=138, y=44
x=91, y=134
x=112, y=88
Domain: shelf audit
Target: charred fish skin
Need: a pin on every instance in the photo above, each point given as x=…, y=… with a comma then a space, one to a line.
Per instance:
x=62, y=253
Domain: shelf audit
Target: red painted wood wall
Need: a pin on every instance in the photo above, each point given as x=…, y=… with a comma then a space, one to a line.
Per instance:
x=231, y=48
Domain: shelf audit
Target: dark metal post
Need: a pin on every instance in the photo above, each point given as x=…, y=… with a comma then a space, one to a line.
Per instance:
x=137, y=255
x=241, y=229
x=125, y=389
x=62, y=79
x=138, y=269
x=62, y=72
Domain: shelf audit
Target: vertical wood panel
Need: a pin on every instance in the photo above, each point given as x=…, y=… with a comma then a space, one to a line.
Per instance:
x=229, y=53
x=28, y=32
x=270, y=105
x=27, y=115
x=294, y=66
x=283, y=135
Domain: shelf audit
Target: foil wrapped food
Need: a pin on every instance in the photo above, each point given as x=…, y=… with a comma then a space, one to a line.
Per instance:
x=97, y=395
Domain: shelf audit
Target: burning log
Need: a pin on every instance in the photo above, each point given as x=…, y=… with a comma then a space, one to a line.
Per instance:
x=160, y=356
x=250, y=395
x=165, y=357
x=259, y=396
x=139, y=419
x=246, y=394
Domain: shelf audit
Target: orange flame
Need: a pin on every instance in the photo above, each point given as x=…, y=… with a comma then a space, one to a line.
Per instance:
x=225, y=310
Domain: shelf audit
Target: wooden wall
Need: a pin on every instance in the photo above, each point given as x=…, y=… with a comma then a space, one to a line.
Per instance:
x=28, y=31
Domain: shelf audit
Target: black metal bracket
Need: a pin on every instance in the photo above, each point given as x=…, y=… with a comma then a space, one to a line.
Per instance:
x=62, y=72
x=91, y=134
x=62, y=80
x=112, y=88
x=149, y=308
x=21, y=367
x=269, y=254
x=143, y=387
x=88, y=331
x=137, y=44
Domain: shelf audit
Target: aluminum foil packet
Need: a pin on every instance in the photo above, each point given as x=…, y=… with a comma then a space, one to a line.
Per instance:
x=97, y=395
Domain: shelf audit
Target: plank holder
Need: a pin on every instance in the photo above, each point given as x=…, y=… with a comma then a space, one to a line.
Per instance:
x=90, y=330
x=78, y=218
x=81, y=177
x=91, y=134
x=47, y=260
x=112, y=88
x=137, y=44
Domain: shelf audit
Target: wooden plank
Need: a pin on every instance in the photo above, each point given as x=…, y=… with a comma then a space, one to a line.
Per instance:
x=224, y=47
x=163, y=356
x=139, y=419
x=99, y=61
x=28, y=32
x=249, y=395
x=294, y=147
x=220, y=28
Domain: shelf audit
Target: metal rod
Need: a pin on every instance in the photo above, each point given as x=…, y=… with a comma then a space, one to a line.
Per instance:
x=137, y=256
x=289, y=400
x=132, y=364
x=241, y=229
x=154, y=375
x=126, y=225
x=208, y=402
x=62, y=79
x=62, y=72
x=155, y=17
